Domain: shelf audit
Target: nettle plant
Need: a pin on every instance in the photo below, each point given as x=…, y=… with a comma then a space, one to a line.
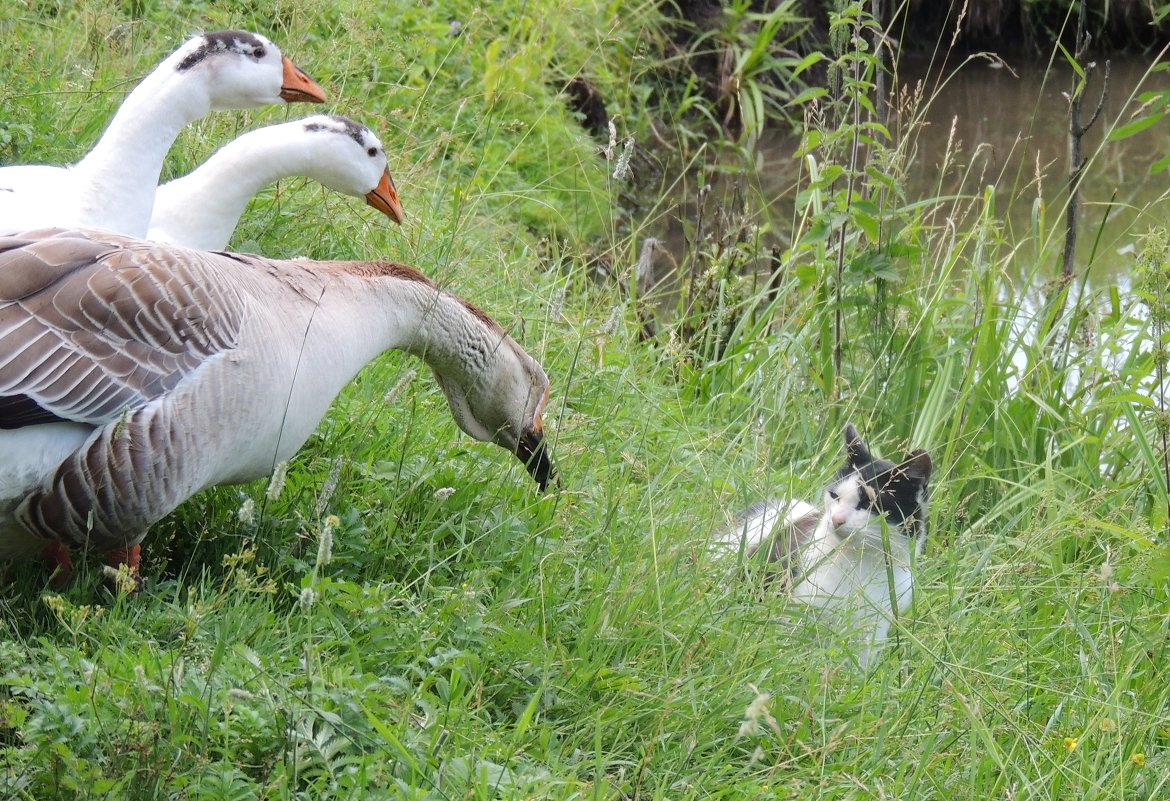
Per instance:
x=849, y=240
x=853, y=238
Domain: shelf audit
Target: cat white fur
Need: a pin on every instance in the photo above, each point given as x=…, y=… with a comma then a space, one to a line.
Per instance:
x=835, y=560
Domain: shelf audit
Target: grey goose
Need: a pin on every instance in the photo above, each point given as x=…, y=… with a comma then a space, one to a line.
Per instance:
x=133, y=375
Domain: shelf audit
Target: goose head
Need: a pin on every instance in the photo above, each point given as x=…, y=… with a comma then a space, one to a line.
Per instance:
x=503, y=404
x=242, y=69
x=347, y=157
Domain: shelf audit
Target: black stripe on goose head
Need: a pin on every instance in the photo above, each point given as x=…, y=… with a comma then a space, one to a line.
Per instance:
x=354, y=130
x=240, y=42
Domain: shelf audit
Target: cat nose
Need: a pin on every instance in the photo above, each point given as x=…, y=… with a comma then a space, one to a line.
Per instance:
x=838, y=517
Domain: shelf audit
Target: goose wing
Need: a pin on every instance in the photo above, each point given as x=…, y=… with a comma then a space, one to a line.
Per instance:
x=93, y=326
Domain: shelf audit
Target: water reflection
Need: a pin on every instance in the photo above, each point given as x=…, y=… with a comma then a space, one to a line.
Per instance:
x=1005, y=127
x=1022, y=117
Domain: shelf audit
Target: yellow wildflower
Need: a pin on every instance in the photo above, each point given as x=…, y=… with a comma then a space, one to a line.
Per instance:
x=1070, y=743
x=1138, y=758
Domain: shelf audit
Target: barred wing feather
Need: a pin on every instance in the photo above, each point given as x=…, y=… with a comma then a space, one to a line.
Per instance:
x=89, y=330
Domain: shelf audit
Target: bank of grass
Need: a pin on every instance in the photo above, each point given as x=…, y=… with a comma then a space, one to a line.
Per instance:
x=465, y=637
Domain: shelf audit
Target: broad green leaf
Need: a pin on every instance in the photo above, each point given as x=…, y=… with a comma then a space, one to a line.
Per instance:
x=1135, y=127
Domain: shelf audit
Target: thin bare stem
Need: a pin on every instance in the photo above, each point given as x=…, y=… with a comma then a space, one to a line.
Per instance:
x=1076, y=133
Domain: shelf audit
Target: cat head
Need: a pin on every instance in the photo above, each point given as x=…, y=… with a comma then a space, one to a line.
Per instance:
x=866, y=488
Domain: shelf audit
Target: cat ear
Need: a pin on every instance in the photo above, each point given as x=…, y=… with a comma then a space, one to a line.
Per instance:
x=855, y=448
x=917, y=466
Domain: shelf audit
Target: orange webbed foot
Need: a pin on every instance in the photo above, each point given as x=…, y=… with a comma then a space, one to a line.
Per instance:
x=59, y=561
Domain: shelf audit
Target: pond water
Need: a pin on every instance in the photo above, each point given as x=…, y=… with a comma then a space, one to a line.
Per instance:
x=1007, y=126
x=1013, y=126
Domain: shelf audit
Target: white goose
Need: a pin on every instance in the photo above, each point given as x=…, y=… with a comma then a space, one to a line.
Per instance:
x=113, y=186
x=201, y=209
x=133, y=375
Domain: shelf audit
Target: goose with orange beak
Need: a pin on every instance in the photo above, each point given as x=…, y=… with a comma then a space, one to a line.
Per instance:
x=201, y=209
x=134, y=374
x=113, y=186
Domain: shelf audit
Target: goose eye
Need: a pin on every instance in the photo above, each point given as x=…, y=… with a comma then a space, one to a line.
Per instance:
x=259, y=52
x=373, y=151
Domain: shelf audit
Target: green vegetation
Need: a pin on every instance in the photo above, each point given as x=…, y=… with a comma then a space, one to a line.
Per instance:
x=403, y=616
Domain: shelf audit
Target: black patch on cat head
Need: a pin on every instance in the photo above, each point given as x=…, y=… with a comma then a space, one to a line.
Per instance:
x=898, y=490
x=239, y=42
x=856, y=450
x=355, y=131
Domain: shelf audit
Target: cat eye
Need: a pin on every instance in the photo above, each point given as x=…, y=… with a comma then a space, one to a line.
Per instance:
x=833, y=495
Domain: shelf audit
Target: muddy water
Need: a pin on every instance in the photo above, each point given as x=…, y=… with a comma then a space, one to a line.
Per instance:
x=1007, y=127
x=1014, y=127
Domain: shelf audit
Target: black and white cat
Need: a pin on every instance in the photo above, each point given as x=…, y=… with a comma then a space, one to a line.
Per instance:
x=834, y=558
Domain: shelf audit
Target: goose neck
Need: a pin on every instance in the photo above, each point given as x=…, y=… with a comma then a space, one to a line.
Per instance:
x=201, y=209
x=457, y=340
x=127, y=160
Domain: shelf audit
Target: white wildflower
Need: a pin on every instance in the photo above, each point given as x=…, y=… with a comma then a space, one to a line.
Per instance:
x=329, y=487
x=621, y=170
x=608, y=149
x=610, y=326
x=276, y=484
x=443, y=493
x=557, y=304
x=307, y=598
x=1106, y=572
x=247, y=512
x=402, y=384
x=325, y=544
x=756, y=711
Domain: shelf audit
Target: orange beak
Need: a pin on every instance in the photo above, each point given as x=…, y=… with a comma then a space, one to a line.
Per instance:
x=299, y=87
x=384, y=198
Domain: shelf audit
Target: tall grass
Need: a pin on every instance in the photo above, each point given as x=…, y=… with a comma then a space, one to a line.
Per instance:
x=464, y=637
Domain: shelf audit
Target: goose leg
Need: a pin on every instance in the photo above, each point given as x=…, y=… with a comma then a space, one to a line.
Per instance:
x=121, y=480
x=131, y=557
x=60, y=563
